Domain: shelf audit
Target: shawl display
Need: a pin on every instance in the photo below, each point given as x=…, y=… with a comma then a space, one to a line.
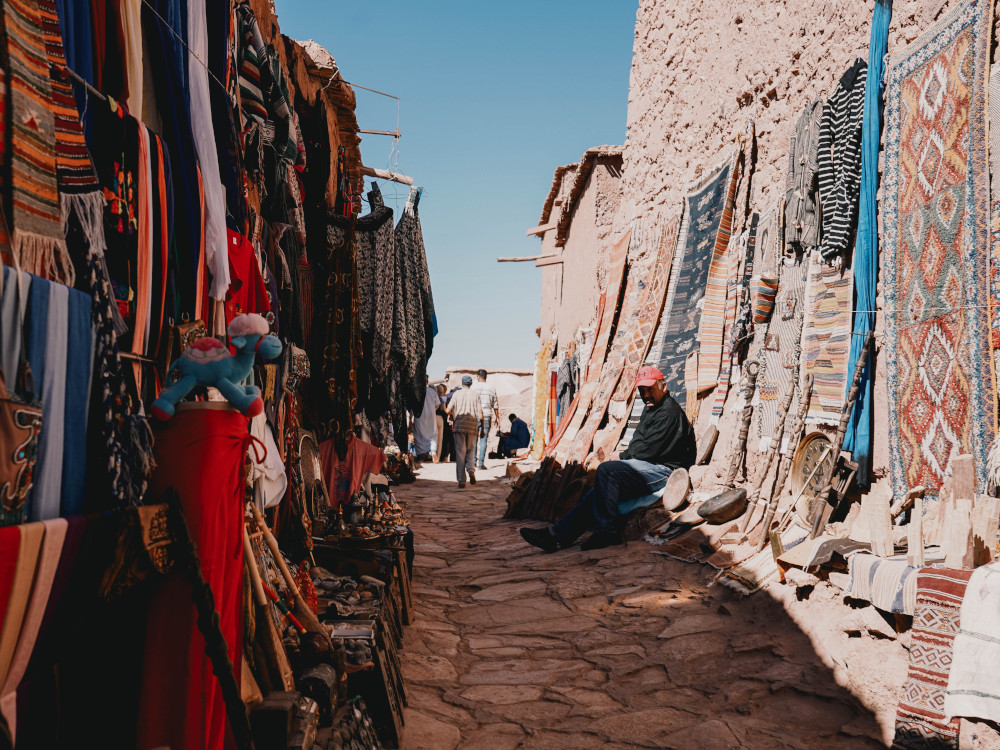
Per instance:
x=648, y=312
x=682, y=312
x=38, y=239
x=541, y=399
x=972, y=686
x=936, y=235
x=339, y=352
x=711, y=328
x=839, y=158
x=610, y=309
x=376, y=261
x=780, y=350
x=826, y=336
x=418, y=301
x=920, y=719
x=46, y=494
x=858, y=438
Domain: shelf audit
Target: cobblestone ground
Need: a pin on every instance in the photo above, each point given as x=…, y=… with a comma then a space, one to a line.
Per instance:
x=619, y=647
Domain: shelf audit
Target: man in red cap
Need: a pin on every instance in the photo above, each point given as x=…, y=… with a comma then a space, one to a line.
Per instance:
x=663, y=441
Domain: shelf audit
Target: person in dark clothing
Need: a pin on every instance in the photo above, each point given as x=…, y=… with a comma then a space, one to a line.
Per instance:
x=518, y=437
x=663, y=441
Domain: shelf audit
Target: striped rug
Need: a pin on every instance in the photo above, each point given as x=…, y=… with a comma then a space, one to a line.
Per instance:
x=38, y=239
x=826, y=338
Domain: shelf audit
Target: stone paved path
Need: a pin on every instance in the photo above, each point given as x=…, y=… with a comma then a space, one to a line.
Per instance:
x=612, y=648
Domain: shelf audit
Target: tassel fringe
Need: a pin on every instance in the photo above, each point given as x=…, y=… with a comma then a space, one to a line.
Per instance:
x=43, y=256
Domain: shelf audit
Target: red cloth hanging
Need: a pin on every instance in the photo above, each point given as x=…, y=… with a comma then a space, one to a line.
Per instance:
x=10, y=543
x=200, y=454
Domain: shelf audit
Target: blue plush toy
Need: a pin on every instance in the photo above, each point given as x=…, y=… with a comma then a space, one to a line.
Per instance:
x=208, y=362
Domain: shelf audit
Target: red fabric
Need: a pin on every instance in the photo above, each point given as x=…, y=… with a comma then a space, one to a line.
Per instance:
x=343, y=478
x=10, y=543
x=247, y=293
x=200, y=454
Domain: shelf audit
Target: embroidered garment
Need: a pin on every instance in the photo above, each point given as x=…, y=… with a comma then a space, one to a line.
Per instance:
x=802, y=220
x=826, y=338
x=920, y=719
x=937, y=354
x=376, y=261
x=411, y=264
x=38, y=239
x=679, y=324
x=840, y=160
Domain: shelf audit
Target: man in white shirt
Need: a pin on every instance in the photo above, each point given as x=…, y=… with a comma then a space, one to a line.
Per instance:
x=491, y=414
x=466, y=415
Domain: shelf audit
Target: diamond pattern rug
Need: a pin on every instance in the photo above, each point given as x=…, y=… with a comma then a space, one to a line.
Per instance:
x=936, y=251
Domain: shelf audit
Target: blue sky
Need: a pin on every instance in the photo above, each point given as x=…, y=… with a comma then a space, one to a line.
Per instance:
x=492, y=99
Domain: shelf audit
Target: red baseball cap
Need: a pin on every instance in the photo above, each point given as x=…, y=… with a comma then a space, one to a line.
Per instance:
x=648, y=375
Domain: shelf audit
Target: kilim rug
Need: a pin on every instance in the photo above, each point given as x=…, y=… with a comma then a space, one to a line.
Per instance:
x=740, y=257
x=711, y=328
x=541, y=399
x=616, y=272
x=36, y=217
x=936, y=257
x=564, y=445
x=994, y=161
x=677, y=333
x=920, y=721
x=826, y=338
x=648, y=312
x=779, y=353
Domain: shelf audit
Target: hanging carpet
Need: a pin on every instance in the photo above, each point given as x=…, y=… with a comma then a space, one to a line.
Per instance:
x=609, y=311
x=677, y=333
x=941, y=403
x=826, y=338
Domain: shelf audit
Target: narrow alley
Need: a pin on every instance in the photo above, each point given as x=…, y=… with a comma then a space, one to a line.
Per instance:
x=620, y=647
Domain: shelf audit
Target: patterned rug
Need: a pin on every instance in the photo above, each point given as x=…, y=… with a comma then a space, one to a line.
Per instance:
x=779, y=353
x=888, y=583
x=541, y=399
x=609, y=311
x=740, y=256
x=677, y=333
x=826, y=338
x=936, y=263
x=920, y=721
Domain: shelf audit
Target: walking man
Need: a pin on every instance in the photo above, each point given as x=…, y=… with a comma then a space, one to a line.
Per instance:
x=663, y=441
x=491, y=414
x=466, y=414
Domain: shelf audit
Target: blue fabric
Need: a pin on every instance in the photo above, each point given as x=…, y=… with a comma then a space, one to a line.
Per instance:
x=79, y=360
x=615, y=484
x=38, y=320
x=75, y=25
x=858, y=439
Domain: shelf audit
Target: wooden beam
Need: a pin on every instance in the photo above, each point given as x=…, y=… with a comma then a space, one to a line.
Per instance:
x=519, y=259
x=540, y=229
x=548, y=260
x=394, y=133
x=384, y=174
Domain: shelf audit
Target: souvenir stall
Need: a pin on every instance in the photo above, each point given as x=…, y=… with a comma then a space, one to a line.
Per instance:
x=209, y=347
x=776, y=324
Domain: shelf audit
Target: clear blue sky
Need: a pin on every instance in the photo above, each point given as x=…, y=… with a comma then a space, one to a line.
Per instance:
x=492, y=98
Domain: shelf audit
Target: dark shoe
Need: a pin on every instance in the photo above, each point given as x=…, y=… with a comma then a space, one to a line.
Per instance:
x=541, y=538
x=472, y=477
x=600, y=541
x=461, y=485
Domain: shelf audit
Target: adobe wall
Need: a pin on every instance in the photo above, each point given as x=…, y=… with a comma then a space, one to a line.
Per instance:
x=700, y=70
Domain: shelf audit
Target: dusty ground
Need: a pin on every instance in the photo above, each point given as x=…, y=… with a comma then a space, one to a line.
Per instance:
x=623, y=647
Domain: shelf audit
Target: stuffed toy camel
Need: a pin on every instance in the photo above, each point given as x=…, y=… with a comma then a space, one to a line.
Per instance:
x=208, y=362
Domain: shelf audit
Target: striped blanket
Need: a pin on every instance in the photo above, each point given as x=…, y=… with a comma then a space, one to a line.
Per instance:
x=888, y=583
x=826, y=338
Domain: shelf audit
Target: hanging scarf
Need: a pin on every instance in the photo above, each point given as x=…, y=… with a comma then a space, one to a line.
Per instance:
x=38, y=239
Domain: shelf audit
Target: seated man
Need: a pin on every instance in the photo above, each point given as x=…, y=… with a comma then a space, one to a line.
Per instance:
x=518, y=437
x=663, y=441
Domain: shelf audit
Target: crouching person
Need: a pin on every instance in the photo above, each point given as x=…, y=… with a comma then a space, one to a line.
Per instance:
x=663, y=441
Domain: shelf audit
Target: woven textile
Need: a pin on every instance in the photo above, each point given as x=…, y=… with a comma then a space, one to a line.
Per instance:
x=711, y=327
x=36, y=217
x=376, y=263
x=936, y=235
x=920, y=721
x=609, y=311
x=691, y=387
x=888, y=583
x=826, y=338
x=740, y=254
x=753, y=573
x=541, y=399
x=780, y=346
x=678, y=327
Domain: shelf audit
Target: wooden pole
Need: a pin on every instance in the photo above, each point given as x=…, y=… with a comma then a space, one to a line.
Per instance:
x=255, y=583
x=384, y=174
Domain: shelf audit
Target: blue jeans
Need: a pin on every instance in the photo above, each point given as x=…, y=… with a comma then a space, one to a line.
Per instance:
x=597, y=510
x=485, y=423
